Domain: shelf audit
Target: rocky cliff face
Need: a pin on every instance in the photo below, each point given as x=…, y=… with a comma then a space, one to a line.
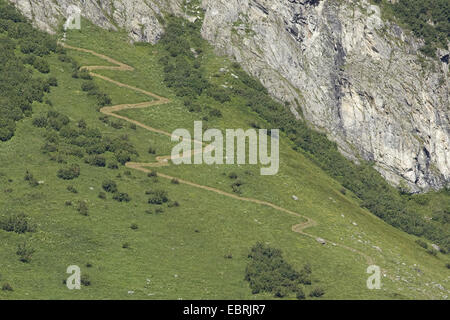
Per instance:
x=337, y=63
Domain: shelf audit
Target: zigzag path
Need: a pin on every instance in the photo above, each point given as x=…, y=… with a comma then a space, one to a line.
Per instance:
x=164, y=160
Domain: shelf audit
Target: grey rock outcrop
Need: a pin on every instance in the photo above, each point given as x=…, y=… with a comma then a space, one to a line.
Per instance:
x=350, y=73
x=339, y=65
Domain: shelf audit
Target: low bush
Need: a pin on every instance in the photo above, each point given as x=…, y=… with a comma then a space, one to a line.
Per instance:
x=121, y=197
x=267, y=271
x=422, y=243
x=109, y=186
x=7, y=287
x=158, y=197
x=18, y=223
x=25, y=252
x=83, y=208
x=69, y=172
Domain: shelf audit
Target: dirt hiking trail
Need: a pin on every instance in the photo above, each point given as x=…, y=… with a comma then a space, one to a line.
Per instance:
x=164, y=160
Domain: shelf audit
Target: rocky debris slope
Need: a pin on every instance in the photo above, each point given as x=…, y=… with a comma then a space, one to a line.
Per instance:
x=337, y=64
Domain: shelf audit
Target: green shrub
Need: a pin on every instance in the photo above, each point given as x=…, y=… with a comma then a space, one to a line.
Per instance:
x=72, y=189
x=121, y=197
x=267, y=271
x=158, y=197
x=96, y=160
x=232, y=175
x=152, y=173
x=422, y=243
x=25, y=252
x=52, y=81
x=84, y=74
x=40, y=121
x=83, y=208
x=113, y=165
x=89, y=86
x=85, y=280
x=123, y=157
x=18, y=223
x=69, y=172
x=109, y=186
x=41, y=65
x=317, y=292
x=30, y=178
x=299, y=294
x=7, y=287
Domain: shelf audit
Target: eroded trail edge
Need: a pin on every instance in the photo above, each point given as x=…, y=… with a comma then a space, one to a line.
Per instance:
x=164, y=160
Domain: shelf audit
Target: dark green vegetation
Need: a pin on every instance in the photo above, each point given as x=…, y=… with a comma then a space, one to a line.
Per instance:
x=267, y=271
x=68, y=141
x=196, y=250
x=183, y=68
x=18, y=223
x=427, y=19
x=21, y=48
x=396, y=207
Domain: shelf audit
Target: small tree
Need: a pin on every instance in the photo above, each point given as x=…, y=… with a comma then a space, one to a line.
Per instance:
x=109, y=186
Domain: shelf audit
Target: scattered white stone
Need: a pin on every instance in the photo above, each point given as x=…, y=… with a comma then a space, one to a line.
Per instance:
x=436, y=247
x=234, y=76
x=439, y=286
x=321, y=241
x=377, y=248
x=91, y=188
x=175, y=275
x=130, y=292
x=354, y=223
x=222, y=70
x=41, y=182
x=342, y=216
x=294, y=197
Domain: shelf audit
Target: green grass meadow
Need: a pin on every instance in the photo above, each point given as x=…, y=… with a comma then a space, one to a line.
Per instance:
x=180, y=253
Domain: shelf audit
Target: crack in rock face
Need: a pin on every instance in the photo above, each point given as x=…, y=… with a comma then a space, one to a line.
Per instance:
x=352, y=74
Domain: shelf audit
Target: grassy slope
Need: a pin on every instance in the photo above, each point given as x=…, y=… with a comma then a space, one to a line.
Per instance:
x=180, y=262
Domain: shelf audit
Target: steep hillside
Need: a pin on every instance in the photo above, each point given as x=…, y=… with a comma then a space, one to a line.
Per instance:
x=360, y=78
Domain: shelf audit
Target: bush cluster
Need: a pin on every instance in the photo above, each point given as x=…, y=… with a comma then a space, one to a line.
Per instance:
x=267, y=271
x=427, y=19
x=18, y=223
